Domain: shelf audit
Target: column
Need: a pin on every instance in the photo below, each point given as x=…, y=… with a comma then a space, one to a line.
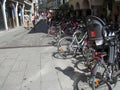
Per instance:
x=16, y=13
x=4, y=15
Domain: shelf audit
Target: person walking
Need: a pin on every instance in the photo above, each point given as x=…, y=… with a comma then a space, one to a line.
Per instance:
x=26, y=20
x=33, y=20
x=49, y=21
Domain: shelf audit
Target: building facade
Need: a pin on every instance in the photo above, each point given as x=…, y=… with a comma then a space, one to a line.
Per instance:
x=101, y=8
x=55, y=4
x=12, y=12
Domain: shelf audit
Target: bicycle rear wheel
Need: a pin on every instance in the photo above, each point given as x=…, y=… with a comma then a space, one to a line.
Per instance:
x=66, y=47
x=97, y=80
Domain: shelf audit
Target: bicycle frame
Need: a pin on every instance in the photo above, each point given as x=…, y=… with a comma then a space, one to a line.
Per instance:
x=109, y=73
x=81, y=42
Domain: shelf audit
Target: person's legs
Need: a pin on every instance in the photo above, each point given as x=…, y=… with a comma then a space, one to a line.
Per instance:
x=49, y=28
x=33, y=23
x=27, y=24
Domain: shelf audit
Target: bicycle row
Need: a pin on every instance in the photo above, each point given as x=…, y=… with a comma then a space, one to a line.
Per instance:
x=99, y=45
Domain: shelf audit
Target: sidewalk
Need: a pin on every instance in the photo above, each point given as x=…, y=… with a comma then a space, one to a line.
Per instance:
x=33, y=69
x=3, y=32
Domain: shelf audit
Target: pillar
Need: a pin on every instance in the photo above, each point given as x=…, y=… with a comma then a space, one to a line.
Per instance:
x=4, y=15
x=16, y=13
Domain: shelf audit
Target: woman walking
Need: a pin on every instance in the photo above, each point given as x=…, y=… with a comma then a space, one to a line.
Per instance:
x=49, y=21
x=33, y=20
x=26, y=20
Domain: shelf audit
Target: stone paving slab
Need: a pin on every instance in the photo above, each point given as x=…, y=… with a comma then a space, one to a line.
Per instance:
x=37, y=69
x=32, y=69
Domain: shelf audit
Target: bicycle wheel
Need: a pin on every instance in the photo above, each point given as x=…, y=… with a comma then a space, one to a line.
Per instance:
x=66, y=47
x=88, y=56
x=98, y=81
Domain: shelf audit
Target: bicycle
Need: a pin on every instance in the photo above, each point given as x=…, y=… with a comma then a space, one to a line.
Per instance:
x=69, y=47
x=106, y=70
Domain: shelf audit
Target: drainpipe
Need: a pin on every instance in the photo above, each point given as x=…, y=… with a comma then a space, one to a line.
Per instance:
x=16, y=13
x=4, y=15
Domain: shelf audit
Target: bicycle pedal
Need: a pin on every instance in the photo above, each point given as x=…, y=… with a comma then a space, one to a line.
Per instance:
x=97, y=82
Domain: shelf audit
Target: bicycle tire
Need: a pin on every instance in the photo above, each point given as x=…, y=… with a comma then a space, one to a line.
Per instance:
x=65, y=47
x=88, y=56
x=97, y=81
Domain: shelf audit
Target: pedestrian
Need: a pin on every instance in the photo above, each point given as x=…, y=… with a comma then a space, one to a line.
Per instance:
x=33, y=19
x=49, y=21
x=26, y=20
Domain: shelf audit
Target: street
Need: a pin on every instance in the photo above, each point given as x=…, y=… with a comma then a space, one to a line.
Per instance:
x=27, y=63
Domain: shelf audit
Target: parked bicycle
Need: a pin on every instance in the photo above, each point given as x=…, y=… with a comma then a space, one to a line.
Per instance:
x=106, y=70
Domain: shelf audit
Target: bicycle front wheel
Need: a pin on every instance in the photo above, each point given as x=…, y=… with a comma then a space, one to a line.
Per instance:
x=66, y=47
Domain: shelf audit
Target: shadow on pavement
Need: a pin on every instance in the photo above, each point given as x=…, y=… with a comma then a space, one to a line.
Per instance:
x=78, y=63
x=40, y=27
x=74, y=75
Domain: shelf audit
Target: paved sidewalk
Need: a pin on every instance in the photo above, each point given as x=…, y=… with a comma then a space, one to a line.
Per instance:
x=4, y=32
x=33, y=69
